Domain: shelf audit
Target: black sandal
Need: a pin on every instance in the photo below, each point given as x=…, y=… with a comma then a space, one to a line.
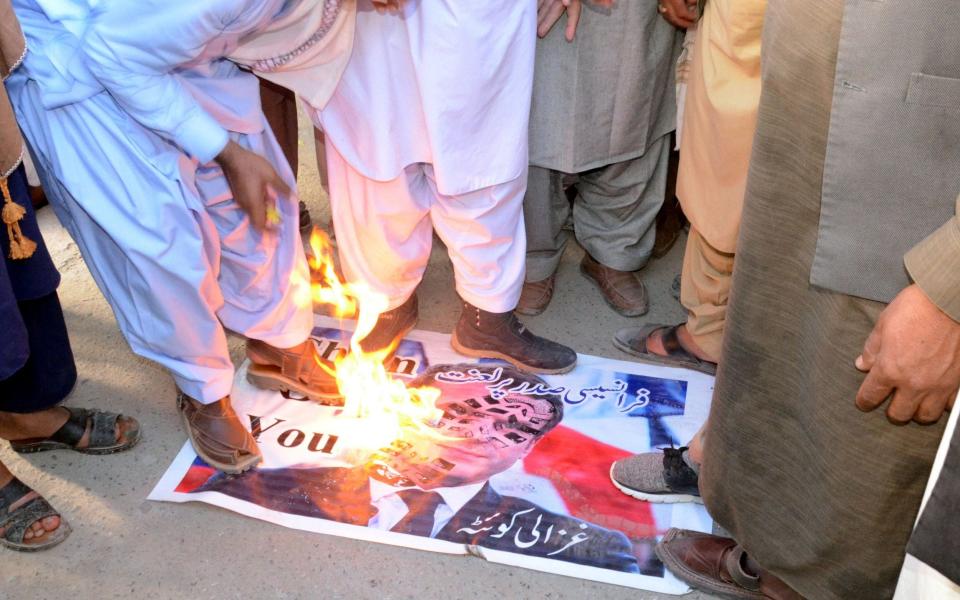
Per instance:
x=633, y=340
x=103, y=434
x=15, y=524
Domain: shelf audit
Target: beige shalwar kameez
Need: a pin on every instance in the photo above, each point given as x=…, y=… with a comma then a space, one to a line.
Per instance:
x=717, y=134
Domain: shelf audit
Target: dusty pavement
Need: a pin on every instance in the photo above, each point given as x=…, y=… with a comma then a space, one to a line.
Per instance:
x=124, y=546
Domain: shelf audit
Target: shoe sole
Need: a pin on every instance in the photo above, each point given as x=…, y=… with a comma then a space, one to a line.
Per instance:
x=620, y=311
x=47, y=446
x=655, y=498
x=461, y=349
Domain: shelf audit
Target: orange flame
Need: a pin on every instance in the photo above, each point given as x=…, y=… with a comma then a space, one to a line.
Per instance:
x=386, y=409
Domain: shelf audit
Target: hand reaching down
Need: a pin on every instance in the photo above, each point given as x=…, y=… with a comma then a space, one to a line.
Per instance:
x=254, y=182
x=912, y=357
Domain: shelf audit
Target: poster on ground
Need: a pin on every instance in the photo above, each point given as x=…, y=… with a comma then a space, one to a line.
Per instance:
x=514, y=469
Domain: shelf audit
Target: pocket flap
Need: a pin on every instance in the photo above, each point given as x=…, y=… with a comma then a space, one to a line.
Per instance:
x=931, y=90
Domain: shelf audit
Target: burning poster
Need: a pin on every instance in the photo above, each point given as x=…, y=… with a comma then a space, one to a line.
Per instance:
x=506, y=466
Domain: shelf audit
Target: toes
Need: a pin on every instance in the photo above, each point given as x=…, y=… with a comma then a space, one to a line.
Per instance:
x=127, y=428
x=50, y=524
x=40, y=528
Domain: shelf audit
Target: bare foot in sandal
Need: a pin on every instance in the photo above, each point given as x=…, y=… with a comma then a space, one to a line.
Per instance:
x=655, y=343
x=84, y=430
x=27, y=521
x=670, y=345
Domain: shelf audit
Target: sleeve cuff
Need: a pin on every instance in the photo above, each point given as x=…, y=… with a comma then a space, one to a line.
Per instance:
x=933, y=266
x=200, y=136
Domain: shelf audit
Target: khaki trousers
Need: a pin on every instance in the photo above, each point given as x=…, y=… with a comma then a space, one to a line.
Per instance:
x=719, y=121
x=704, y=290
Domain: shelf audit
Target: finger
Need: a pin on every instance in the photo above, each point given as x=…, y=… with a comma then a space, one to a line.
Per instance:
x=873, y=391
x=871, y=348
x=258, y=210
x=670, y=14
x=550, y=17
x=684, y=13
x=677, y=21
x=931, y=408
x=279, y=185
x=573, y=19
x=903, y=405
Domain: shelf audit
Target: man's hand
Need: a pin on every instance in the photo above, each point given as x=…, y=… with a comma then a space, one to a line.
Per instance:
x=550, y=11
x=679, y=13
x=251, y=179
x=912, y=353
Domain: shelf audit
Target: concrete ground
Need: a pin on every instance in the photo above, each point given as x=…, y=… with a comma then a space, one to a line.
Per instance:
x=124, y=546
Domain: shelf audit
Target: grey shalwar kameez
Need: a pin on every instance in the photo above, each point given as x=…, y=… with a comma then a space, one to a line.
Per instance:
x=603, y=106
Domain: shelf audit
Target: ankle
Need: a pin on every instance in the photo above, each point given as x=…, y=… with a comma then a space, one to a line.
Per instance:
x=690, y=462
x=690, y=344
x=15, y=425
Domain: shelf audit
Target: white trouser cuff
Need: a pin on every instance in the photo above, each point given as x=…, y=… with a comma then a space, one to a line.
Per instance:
x=216, y=387
x=296, y=331
x=500, y=304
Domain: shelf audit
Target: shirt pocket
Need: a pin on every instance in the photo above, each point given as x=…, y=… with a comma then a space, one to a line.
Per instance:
x=933, y=90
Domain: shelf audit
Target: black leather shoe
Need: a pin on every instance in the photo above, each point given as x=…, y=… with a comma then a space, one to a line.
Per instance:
x=501, y=335
x=392, y=326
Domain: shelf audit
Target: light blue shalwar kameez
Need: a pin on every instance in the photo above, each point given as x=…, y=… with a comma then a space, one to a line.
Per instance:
x=125, y=105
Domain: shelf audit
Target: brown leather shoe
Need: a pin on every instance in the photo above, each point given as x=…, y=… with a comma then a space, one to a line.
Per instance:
x=299, y=369
x=392, y=326
x=217, y=434
x=719, y=565
x=623, y=290
x=535, y=296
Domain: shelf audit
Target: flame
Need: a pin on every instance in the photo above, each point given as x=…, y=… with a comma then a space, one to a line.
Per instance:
x=385, y=409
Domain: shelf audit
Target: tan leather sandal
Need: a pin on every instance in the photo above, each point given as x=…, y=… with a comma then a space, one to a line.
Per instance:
x=217, y=435
x=299, y=370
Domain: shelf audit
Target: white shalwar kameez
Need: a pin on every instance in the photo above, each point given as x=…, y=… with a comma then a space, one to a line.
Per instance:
x=125, y=110
x=428, y=126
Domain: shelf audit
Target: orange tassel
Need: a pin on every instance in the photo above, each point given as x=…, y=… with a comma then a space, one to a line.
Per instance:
x=21, y=247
